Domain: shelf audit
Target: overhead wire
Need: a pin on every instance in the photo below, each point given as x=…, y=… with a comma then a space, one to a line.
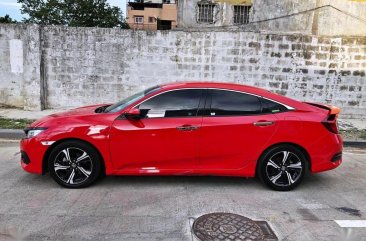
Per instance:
x=291, y=15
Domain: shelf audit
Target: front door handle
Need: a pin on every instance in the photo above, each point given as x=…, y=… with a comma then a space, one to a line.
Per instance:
x=187, y=128
x=263, y=123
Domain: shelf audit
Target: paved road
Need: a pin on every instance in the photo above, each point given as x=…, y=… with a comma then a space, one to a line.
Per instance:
x=163, y=208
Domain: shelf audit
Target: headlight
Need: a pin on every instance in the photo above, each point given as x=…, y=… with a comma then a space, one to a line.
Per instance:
x=32, y=132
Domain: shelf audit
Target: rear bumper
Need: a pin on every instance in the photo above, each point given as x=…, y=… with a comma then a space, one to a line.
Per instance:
x=328, y=154
x=32, y=153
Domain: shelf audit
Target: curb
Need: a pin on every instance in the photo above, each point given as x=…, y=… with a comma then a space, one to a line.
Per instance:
x=354, y=144
x=12, y=134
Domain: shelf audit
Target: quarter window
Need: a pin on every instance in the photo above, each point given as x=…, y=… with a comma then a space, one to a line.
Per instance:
x=271, y=107
x=230, y=103
x=178, y=103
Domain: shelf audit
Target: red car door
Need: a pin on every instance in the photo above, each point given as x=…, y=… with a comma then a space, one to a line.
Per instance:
x=164, y=138
x=234, y=130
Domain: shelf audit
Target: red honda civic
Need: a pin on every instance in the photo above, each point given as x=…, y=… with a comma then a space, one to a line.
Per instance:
x=197, y=128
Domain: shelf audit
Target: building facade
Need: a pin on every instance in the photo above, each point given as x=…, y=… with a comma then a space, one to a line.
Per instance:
x=152, y=15
x=316, y=17
x=208, y=13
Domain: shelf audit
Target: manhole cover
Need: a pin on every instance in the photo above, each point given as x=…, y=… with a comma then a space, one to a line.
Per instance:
x=229, y=226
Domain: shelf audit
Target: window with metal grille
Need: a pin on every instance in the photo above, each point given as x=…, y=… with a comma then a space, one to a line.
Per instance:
x=205, y=12
x=241, y=14
x=139, y=19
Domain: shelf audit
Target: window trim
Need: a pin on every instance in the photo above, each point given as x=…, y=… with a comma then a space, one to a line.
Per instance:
x=205, y=94
x=138, y=16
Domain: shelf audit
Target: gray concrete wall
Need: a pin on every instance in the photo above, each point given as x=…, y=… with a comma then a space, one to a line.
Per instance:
x=20, y=66
x=326, y=20
x=329, y=21
x=92, y=65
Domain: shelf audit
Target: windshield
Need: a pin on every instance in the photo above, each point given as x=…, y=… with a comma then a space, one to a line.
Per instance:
x=129, y=100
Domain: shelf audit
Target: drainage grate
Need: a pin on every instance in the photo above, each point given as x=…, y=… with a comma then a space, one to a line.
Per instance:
x=229, y=226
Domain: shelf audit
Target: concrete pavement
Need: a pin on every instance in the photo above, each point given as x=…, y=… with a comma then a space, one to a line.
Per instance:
x=164, y=208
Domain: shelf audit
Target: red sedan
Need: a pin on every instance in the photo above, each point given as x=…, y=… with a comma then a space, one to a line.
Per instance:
x=200, y=128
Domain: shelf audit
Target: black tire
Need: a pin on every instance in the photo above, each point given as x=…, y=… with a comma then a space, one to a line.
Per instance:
x=80, y=169
x=279, y=175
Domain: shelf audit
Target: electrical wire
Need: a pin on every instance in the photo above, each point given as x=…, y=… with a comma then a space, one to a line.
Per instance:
x=349, y=14
x=290, y=15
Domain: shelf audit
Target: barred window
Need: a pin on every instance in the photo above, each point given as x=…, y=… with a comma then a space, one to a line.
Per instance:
x=139, y=19
x=205, y=12
x=241, y=14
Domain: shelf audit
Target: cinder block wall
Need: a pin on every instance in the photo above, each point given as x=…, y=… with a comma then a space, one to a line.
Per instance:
x=92, y=65
x=19, y=66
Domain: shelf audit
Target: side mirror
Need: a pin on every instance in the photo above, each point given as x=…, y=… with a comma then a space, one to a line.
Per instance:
x=134, y=114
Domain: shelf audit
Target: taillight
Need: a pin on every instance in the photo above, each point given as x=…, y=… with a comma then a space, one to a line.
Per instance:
x=331, y=123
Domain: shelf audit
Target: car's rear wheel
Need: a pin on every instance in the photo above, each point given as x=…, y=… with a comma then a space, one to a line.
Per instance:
x=282, y=168
x=74, y=164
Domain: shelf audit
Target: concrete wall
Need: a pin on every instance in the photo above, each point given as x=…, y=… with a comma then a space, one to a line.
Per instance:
x=20, y=66
x=92, y=65
x=343, y=17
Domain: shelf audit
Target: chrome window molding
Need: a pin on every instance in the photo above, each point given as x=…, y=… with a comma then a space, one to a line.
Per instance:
x=238, y=91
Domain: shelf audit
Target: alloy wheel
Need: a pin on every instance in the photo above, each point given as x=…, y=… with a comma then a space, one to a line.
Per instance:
x=73, y=165
x=284, y=168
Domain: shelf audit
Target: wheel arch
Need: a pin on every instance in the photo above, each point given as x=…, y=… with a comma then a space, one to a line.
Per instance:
x=49, y=150
x=301, y=148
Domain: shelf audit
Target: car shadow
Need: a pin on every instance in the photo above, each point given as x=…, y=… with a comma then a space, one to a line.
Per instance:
x=202, y=181
x=320, y=180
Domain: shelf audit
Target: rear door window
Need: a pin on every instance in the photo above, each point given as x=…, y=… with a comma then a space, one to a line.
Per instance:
x=231, y=103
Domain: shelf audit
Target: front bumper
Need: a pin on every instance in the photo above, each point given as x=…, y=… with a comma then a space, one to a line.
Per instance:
x=32, y=153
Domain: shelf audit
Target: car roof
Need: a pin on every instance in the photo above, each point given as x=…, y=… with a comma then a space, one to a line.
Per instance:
x=210, y=84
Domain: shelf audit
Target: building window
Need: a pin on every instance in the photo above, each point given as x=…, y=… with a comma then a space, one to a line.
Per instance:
x=151, y=19
x=205, y=12
x=241, y=14
x=139, y=19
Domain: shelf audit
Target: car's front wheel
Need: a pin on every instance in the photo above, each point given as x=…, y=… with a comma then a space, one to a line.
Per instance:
x=74, y=164
x=282, y=168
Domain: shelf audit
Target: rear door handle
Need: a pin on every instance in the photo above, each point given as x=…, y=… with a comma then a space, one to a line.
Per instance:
x=263, y=123
x=187, y=128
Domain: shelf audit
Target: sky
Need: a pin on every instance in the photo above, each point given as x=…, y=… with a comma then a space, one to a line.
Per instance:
x=12, y=8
